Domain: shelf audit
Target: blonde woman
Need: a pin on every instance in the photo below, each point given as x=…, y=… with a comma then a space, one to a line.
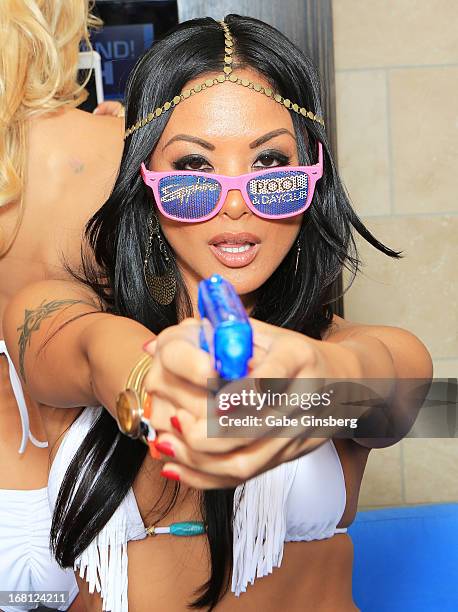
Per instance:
x=57, y=165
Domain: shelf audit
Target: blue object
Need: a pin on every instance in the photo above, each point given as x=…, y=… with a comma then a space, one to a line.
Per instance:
x=406, y=559
x=189, y=196
x=187, y=528
x=231, y=338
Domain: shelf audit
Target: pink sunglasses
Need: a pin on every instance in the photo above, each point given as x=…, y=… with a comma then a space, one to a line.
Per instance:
x=191, y=197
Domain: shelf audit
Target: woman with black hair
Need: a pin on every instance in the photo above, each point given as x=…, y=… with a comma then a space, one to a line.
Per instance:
x=226, y=168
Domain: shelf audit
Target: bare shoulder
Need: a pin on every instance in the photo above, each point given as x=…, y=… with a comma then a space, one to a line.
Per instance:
x=409, y=354
x=74, y=119
x=73, y=160
x=341, y=329
x=47, y=294
x=76, y=134
x=338, y=324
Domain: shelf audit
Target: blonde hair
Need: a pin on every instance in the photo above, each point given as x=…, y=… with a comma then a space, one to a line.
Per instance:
x=39, y=46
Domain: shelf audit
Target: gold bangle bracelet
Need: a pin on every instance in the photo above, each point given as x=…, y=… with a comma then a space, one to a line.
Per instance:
x=129, y=404
x=137, y=376
x=132, y=381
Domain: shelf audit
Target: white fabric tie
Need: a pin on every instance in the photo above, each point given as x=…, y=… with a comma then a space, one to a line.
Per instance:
x=20, y=400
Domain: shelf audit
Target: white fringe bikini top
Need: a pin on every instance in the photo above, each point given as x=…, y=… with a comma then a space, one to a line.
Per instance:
x=299, y=500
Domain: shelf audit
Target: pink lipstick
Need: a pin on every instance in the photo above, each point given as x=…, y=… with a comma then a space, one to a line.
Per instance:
x=235, y=250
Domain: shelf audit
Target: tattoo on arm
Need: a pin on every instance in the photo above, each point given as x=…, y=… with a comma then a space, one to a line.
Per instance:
x=32, y=322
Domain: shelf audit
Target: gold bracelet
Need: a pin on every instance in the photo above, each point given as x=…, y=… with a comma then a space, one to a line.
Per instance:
x=130, y=402
x=138, y=373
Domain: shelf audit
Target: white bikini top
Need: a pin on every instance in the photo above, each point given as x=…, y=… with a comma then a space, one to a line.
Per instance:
x=20, y=400
x=25, y=521
x=299, y=500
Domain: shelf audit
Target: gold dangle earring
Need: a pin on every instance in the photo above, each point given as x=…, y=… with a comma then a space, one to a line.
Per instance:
x=163, y=287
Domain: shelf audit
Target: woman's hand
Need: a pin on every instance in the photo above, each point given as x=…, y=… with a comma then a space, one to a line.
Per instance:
x=178, y=382
x=177, y=379
x=110, y=107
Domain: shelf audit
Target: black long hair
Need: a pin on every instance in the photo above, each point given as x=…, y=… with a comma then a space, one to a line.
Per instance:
x=117, y=235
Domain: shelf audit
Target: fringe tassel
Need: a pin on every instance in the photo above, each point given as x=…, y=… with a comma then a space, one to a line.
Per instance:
x=259, y=525
x=105, y=564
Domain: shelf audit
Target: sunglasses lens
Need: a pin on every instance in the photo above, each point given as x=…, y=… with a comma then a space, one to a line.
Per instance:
x=279, y=193
x=190, y=196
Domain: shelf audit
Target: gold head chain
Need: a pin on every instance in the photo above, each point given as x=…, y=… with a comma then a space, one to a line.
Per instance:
x=227, y=75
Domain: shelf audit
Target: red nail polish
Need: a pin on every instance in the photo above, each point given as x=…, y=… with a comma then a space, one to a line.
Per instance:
x=148, y=342
x=165, y=448
x=176, y=423
x=155, y=454
x=170, y=474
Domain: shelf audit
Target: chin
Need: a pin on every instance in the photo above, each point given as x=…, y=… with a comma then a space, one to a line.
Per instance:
x=245, y=280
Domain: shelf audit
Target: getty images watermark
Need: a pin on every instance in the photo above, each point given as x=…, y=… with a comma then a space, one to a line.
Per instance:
x=257, y=401
x=346, y=408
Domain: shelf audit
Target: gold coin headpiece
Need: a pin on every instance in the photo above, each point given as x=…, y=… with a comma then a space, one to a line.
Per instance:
x=227, y=75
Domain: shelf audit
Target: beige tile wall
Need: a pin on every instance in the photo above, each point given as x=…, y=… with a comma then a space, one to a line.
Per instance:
x=397, y=128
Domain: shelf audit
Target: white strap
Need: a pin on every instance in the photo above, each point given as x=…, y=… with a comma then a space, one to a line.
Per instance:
x=259, y=525
x=20, y=400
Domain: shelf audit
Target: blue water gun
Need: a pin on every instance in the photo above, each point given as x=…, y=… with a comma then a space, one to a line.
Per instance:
x=226, y=331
